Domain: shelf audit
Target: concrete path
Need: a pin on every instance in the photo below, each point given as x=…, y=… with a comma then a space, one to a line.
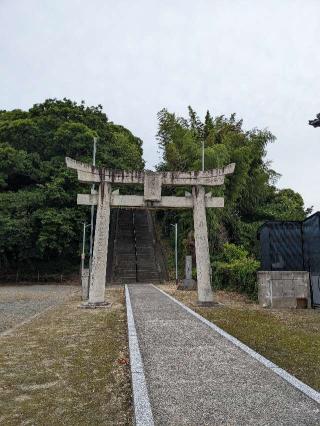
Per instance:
x=195, y=376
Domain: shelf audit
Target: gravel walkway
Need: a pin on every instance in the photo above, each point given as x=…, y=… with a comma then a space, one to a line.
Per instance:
x=18, y=303
x=195, y=376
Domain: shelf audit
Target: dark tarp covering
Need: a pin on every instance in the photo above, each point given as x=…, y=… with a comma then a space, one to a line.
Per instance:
x=311, y=243
x=281, y=246
x=293, y=246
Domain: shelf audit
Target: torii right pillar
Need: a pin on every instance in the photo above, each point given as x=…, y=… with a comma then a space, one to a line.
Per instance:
x=205, y=294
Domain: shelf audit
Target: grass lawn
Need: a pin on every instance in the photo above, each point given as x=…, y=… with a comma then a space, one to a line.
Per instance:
x=289, y=338
x=67, y=366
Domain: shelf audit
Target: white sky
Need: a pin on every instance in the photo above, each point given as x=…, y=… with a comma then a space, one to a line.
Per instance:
x=260, y=59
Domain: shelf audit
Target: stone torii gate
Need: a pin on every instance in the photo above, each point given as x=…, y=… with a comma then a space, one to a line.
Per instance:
x=152, y=199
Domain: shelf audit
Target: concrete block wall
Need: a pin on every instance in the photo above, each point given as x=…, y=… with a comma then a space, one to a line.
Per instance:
x=283, y=289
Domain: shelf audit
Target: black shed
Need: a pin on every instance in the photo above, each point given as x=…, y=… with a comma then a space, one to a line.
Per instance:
x=293, y=246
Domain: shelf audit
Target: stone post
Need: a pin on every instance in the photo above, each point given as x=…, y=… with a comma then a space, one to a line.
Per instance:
x=188, y=268
x=85, y=283
x=100, y=250
x=205, y=294
x=188, y=283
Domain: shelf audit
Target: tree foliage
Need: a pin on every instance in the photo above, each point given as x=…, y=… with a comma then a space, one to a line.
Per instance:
x=236, y=270
x=251, y=196
x=40, y=223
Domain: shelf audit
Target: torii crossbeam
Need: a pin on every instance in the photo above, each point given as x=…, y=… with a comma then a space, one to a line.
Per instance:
x=198, y=200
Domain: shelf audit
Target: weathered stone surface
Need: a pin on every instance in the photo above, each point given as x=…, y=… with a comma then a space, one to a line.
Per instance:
x=100, y=250
x=138, y=201
x=264, y=289
x=188, y=283
x=284, y=302
x=91, y=174
x=85, y=283
x=188, y=267
x=281, y=289
x=202, y=246
x=152, y=186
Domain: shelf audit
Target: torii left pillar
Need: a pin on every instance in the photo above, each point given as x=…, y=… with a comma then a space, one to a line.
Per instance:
x=100, y=249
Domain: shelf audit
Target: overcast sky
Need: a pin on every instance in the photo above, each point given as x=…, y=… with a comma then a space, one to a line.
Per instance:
x=260, y=59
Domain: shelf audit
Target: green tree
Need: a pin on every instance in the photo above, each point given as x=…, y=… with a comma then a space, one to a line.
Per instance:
x=40, y=223
x=251, y=196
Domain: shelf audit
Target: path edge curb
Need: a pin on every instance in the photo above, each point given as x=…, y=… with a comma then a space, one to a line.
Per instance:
x=302, y=387
x=142, y=408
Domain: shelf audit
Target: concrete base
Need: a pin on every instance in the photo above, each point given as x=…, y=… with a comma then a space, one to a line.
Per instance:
x=187, y=284
x=284, y=289
x=98, y=305
x=207, y=304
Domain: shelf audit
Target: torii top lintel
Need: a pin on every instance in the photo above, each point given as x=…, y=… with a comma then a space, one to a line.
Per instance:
x=91, y=174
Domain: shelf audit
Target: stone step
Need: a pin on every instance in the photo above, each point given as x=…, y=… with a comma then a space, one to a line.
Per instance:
x=145, y=264
x=149, y=260
x=146, y=260
x=147, y=279
x=126, y=280
x=147, y=275
x=126, y=258
x=126, y=269
x=126, y=252
x=134, y=248
x=143, y=246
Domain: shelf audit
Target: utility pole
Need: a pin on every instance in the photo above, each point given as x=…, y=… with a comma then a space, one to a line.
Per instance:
x=203, y=155
x=83, y=246
x=83, y=255
x=176, y=249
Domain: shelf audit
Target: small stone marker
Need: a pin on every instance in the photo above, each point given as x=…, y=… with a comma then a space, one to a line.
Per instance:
x=85, y=283
x=188, y=282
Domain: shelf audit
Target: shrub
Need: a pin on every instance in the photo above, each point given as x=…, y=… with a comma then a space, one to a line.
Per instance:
x=236, y=270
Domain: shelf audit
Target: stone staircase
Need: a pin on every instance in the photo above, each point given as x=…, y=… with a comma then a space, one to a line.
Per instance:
x=124, y=256
x=134, y=252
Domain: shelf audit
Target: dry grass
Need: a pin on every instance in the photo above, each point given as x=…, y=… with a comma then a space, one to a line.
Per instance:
x=67, y=366
x=289, y=338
